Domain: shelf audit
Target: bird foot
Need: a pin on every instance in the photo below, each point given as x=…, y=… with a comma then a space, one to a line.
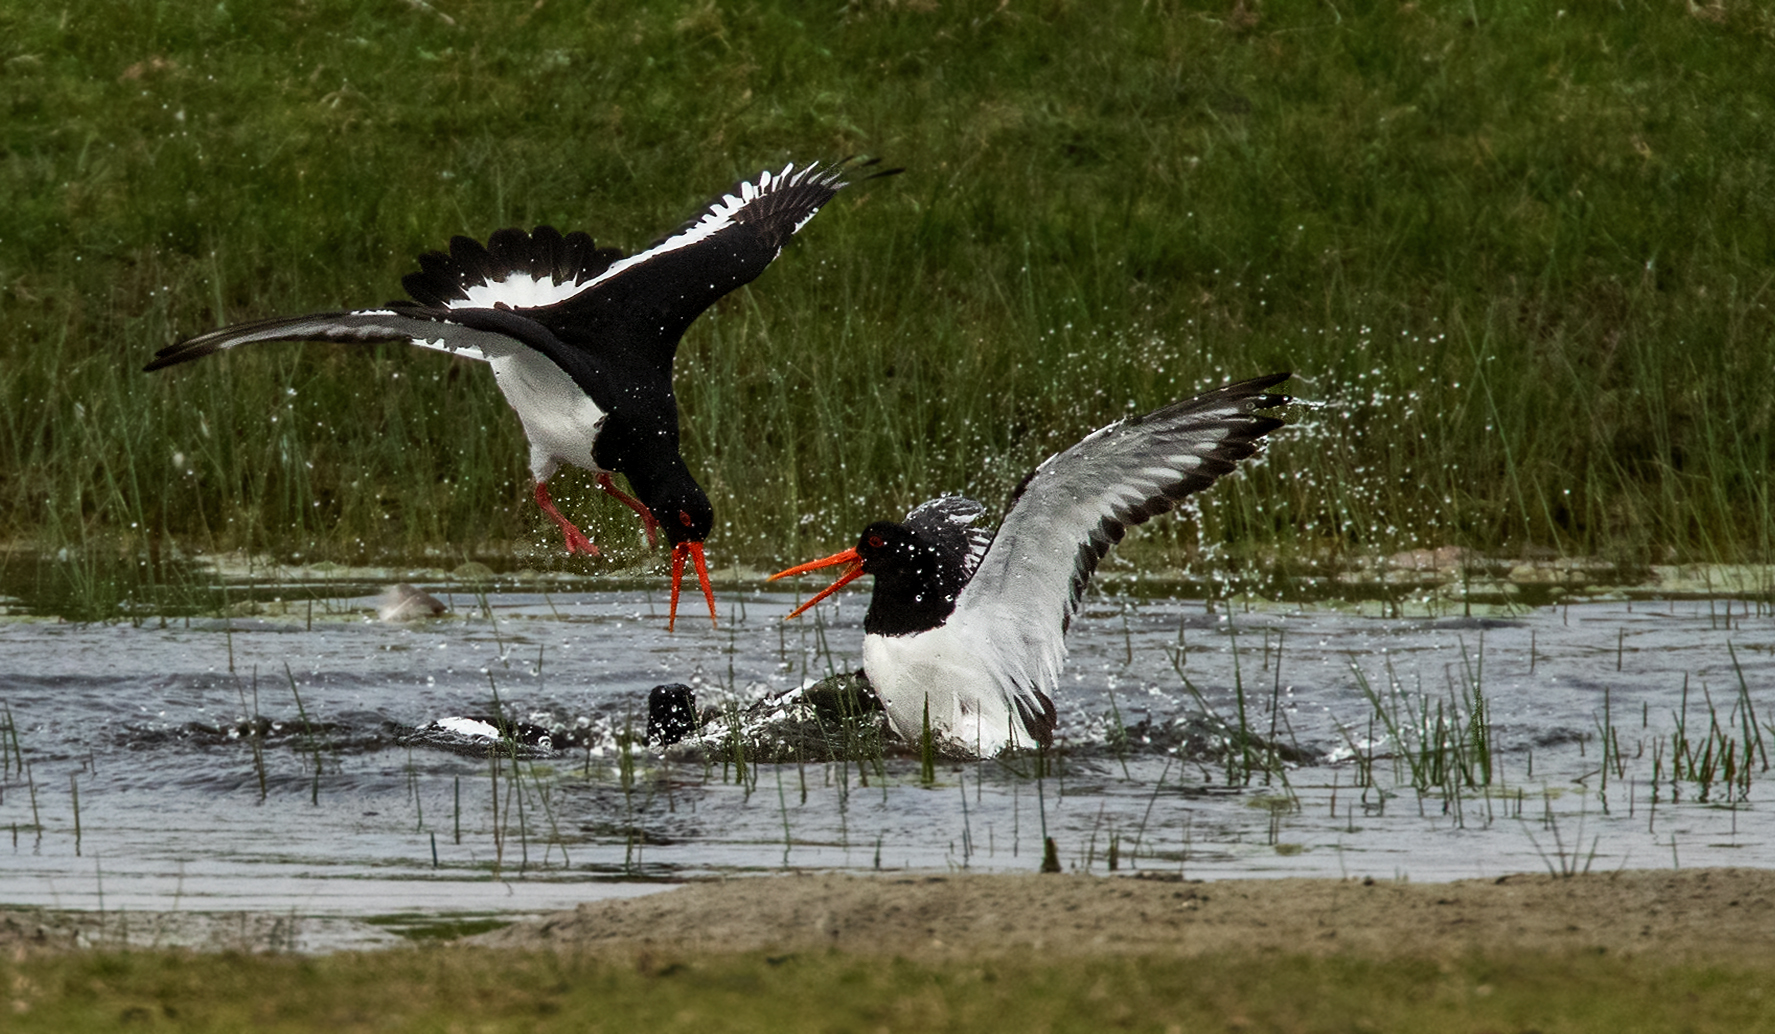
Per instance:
x=576, y=539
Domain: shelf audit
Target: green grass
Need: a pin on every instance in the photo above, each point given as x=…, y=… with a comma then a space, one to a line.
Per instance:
x=478, y=990
x=1521, y=254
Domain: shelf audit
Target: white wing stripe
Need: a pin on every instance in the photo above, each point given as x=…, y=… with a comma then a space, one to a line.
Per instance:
x=517, y=291
x=523, y=291
x=717, y=218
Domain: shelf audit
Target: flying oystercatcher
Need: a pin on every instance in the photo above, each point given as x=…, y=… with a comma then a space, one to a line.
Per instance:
x=968, y=626
x=581, y=340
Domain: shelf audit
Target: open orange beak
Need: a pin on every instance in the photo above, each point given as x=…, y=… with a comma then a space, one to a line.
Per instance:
x=693, y=550
x=849, y=556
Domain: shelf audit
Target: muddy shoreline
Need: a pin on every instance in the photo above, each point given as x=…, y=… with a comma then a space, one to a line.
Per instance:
x=1696, y=915
x=1675, y=915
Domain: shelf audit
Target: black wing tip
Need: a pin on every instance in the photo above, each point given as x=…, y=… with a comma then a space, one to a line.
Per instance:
x=826, y=175
x=1040, y=725
x=1268, y=399
x=795, y=192
x=1257, y=390
x=1252, y=395
x=195, y=347
x=855, y=163
x=1253, y=392
x=172, y=356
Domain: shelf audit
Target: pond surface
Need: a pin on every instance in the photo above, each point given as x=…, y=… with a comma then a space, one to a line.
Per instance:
x=1610, y=734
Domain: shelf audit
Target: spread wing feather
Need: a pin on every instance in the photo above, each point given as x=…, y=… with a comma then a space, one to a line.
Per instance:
x=947, y=524
x=585, y=296
x=364, y=326
x=641, y=305
x=516, y=270
x=1074, y=507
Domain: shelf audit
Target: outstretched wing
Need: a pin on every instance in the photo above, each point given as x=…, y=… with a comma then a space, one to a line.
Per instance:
x=728, y=243
x=571, y=290
x=946, y=523
x=640, y=305
x=365, y=326
x=1077, y=504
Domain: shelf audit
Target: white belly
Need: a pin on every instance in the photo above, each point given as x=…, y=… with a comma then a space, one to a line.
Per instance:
x=559, y=418
x=941, y=667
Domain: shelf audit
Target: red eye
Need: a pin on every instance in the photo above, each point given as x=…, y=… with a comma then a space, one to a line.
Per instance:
x=876, y=541
x=685, y=519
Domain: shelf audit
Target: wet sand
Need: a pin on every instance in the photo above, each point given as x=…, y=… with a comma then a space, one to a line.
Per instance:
x=1697, y=915
x=1694, y=915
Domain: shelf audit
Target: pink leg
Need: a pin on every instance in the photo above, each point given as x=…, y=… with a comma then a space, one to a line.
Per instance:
x=634, y=504
x=576, y=539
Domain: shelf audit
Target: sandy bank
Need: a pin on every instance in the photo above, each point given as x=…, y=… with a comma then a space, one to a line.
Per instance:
x=1677, y=915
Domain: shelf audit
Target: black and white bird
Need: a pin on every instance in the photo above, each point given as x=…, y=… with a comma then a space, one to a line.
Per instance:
x=971, y=625
x=581, y=340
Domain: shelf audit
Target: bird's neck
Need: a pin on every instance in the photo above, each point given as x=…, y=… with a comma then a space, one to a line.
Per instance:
x=908, y=601
x=664, y=483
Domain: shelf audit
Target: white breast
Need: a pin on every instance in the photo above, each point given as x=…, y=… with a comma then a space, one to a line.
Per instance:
x=945, y=668
x=559, y=418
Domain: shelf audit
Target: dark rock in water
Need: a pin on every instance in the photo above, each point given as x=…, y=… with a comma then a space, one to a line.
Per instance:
x=837, y=718
x=671, y=714
x=843, y=697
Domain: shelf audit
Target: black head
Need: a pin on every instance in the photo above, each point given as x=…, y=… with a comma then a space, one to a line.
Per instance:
x=677, y=502
x=916, y=579
x=684, y=516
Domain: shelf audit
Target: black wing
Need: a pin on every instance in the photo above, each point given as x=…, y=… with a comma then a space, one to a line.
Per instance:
x=515, y=270
x=364, y=326
x=640, y=305
x=464, y=302
x=946, y=523
x=586, y=296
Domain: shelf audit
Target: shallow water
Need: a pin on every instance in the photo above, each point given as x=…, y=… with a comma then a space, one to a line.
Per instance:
x=144, y=723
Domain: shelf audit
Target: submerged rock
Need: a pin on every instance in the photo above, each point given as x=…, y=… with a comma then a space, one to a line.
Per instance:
x=405, y=602
x=838, y=718
x=671, y=714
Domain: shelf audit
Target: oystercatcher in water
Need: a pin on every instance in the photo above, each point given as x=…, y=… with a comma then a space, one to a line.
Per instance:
x=581, y=340
x=969, y=627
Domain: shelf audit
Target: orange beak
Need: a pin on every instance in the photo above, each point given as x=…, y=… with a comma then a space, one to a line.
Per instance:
x=849, y=556
x=694, y=550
